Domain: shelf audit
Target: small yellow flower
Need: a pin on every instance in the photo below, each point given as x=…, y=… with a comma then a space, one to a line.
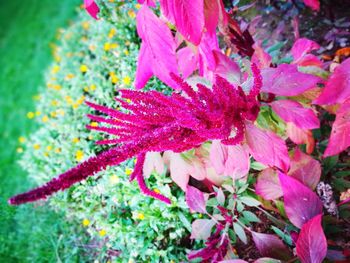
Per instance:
x=57, y=150
x=54, y=103
x=86, y=89
x=68, y=99
x=126, y=52
x=200, y=215
x=114, y=79
x=86, y=222
x=131, y=13
x=75, y=140
x=79, y=155
x=114, y=179
x=156, y=190
x=53, y=114
x=140, y=216
x=22, y=139
x=128, y=100
x=102, y=232
x=127, y=80
x=128, y=171
x=49, y=148
x=94, y=124
x=107, y=46
x=56, y=87
x=85, y=25
x=30, y=115
x=114, y=45
x=37, y=113
x=55, y=69
x=19, y=150
x=46, y=154
x=83, y=68
x=69, y=76
x=92, y=87
x=36, y=146
x=138, y=6
x=112, y=33
x=45, y=118
x=90, y=137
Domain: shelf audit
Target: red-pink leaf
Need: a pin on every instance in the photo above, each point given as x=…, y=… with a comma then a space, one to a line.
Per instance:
x=233, y=261
x=187, y=61
x=179, y=169
x=286, y=80
x=260, y=57
x=313, y=4
x=188, y=16
x=340, y=135
x=201, y=228
x=148, y=2
x=337, y=88
x=266, y=147
x=195, y=199
x=211, y=15
x=270, y=246
x=92, y=8
x=312, y=243
x=143, y=69
x=305, y=168
x=227, y=68
x=158, y=49
x=292, y=111
x=300, y=51
x=301, y=136
x=268, y=185
x=300, y=203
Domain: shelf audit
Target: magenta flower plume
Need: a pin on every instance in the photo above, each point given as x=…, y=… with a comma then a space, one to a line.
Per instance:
x=153, y=122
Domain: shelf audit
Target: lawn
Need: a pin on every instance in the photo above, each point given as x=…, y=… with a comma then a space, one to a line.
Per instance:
x=27, y=28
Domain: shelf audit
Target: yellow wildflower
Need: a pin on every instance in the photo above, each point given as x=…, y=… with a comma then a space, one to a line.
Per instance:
x=128, y=100
x=86, y=222
x=37, y=113
x=138, y=6
x=55, y=69
x=53, y=114
x=140, y=216
x=79, y=155
x=83, y=68
x=56, y=87
x=94, y=124
x=54, y=103
x=107, y=46
x=69, y=76
x=57, y=150
x=45, y=118
x=126, y=52
x=102, y=232
x=92, y=87
x=75, y=140
x=128, y=171
x=36, y=146
x=114, y=179
x=86, y=89
x=19, y=150
x=85, y=25
x=157, y=191
x=112, y=33
x=68, y=99
x=131, y=13
x=114, y=79
x=49, y=148
x=30, y=115
x=127, y=80
x=46, y=154
x=22, y=139
x=114, y=45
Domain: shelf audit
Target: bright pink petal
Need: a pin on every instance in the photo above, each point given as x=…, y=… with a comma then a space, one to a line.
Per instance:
x=300, y=203
x=292, y=111
x=302, y=47
x=270, y=246
x=340, y=135
x=268, y=185
x=143, y=69
x=188, y=16
x=337, y=88
x=286, y=80
x=92, y=8
x=208, y=44
x=211, y=15
x=150, y=3
x=195, y=200
x=305, y=168
x=160, y=47
x=227, y=68
x=201, y=228
x=266, y=147
x=312, y=243
x=313, y=4
x=187, y=61
x=301, y=136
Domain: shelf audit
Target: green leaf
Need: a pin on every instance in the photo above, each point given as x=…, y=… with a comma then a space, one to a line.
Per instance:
x=249, y=201
x=285, y=237
x=185, y=221
x=251, y=217
x=240, y=232
x=280, y=207
x=240, y=206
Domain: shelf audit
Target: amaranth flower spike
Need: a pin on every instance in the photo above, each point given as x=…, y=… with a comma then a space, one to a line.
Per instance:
x=154, y=122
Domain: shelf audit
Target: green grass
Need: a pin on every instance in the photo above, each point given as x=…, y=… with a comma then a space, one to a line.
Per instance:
x=27, y=233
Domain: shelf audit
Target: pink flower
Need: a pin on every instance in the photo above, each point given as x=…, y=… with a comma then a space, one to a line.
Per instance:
x=92, y=8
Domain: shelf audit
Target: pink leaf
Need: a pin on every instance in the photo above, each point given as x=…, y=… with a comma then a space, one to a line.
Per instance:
x=201, y=228
x=233, y=261
x=211, y=15
x=292, y=111
x=301, y=136
x=153, y=162
x=337, y=88
x=312, y=243
x=301, y=48
x=148, y=2
x=188, y=16
x=227, y=68
x=158, y=49
x=92, y=8
x=313, y=4
x=261, y=58
x=305, y=168
x=187, y=61
x=143, y=69
x=301, y=204
x=340, y=135
x=270, y=246
x=286, y=80
x=195, y=199
x=266, y=147
x=179, y=169
x=267, y=260
x=268, y=185
x=208, y=44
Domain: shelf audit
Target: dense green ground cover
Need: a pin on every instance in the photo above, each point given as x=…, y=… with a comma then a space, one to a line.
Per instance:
x=26, y=30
